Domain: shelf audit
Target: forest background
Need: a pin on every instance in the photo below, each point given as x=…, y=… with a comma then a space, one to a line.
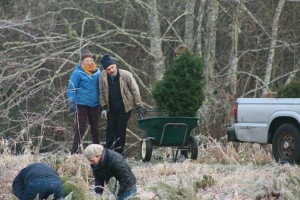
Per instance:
x=250, y=48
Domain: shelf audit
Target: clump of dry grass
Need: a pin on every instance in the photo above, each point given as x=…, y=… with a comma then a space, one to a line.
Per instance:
x=9, y=167
x=228, y=152
x=219, y=181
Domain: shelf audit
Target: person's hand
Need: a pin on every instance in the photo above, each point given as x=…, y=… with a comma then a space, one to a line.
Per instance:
x=142, y=111
x=72, y=106
x=104, y=114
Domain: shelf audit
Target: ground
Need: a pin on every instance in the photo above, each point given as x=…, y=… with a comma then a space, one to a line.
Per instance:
x=220, y=172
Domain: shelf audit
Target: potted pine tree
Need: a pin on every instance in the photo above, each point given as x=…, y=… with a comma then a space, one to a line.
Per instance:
x=179, y=95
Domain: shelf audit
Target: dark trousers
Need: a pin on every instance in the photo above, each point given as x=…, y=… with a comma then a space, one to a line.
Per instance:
x=84, y=113
x=116, y=130
x=126, y=195
x=44, y=187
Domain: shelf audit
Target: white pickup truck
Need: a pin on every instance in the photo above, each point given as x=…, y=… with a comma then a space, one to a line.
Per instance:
x=273, y=121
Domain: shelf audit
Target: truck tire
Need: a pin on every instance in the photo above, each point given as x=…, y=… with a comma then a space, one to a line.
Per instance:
x=286, y=144
x=146, y=149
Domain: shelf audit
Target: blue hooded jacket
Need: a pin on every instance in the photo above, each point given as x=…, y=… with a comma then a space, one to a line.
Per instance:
x=84, y=88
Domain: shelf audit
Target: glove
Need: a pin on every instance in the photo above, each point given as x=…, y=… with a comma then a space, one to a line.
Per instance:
x=104, y=114
x=72, y=106
x=142, y=111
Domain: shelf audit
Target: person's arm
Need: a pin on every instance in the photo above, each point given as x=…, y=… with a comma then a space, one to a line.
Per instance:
x=134, y=88
x=121, y=172
x=103, y=89
x=72, y=89
x=73, y=85
x=99, y=185
x=18, y=186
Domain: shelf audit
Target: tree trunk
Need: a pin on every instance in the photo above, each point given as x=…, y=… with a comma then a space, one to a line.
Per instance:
x=234, y=51
x=189, y=24
x=293, y=74
x=272, y=47
x=155, y=41
x=198, y=36
x=213, y=7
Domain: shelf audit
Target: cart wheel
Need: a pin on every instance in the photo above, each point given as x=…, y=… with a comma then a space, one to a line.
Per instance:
x=146, y=149
x=175, y=152
x=193, y=148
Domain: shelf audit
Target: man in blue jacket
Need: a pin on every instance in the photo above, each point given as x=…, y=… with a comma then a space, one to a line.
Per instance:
x=37, y=179
x=83, y=98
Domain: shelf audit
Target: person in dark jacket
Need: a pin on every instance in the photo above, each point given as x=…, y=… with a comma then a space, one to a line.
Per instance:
x=106, y=164
x=37, y=179
x=83, y=98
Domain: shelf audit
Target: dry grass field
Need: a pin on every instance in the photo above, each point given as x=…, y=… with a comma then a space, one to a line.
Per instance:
x=222, y=171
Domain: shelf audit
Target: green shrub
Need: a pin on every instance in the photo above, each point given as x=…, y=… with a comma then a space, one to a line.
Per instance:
x=180, y=92
x=291, y=90
x=78, y=188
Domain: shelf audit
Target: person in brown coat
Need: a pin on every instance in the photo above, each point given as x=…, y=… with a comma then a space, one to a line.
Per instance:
x=119, y=94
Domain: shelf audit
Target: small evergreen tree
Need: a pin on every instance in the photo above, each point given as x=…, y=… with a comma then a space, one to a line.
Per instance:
x=292, y=90
x=180, y=92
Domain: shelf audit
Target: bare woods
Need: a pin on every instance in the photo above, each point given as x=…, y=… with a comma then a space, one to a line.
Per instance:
x=250, y=48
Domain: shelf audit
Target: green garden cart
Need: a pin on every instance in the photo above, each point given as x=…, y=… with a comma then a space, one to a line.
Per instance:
x=172, y=132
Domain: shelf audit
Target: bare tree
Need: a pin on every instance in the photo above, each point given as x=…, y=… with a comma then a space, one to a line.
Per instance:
x=210, y=46
x=234, y=50
x=248, y=46
x=189, y=24
x=155, y=39
x=199, y=30
x=273, y=38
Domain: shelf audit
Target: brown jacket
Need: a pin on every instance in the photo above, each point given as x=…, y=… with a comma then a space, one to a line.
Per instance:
x=129, y=90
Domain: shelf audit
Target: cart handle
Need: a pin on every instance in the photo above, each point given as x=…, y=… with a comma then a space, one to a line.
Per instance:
x=174, y=124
